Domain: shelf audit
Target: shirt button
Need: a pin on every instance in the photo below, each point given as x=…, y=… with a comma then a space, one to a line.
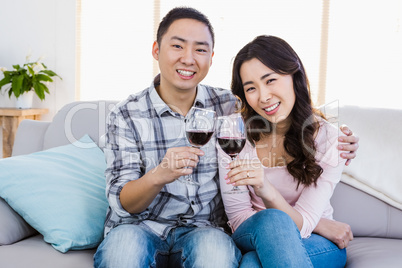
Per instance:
x=192, y=203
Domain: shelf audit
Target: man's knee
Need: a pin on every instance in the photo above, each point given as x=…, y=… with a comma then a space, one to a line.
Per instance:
x=125, y=246
x=211, y=246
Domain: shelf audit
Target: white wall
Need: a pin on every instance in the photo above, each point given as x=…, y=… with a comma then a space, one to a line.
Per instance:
x=47, y=28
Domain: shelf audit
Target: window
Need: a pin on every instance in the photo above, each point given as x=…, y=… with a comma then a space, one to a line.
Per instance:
x=365, y=53
x=115, y=48
x=351, y=50
x=116, y=39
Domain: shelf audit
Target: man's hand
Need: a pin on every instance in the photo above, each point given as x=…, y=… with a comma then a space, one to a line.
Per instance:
x=338, y=232
x=350, y=144
x=137, y=195
x=177, y=162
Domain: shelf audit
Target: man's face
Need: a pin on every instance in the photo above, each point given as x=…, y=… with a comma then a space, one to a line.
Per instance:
x=185, y=55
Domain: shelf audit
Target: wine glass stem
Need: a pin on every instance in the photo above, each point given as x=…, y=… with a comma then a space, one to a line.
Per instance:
x=235, y=188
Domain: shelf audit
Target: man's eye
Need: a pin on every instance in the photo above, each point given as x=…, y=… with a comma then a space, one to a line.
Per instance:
x=176, y=46
x=201, y=50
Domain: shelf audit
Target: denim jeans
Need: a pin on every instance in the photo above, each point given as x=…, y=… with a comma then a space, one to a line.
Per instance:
x=136, y=246
x=270, y=238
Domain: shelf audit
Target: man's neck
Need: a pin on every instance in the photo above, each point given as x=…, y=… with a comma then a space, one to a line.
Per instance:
x=178, y=101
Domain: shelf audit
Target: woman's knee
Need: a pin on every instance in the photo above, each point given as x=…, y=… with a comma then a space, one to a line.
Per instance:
x=250, y=260
x=273, y=219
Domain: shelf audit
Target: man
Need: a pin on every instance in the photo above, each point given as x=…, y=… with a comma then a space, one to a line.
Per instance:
x=153, y=219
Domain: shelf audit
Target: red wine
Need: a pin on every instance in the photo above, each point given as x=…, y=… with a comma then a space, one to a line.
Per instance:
x=232, y=145
x=199, y=138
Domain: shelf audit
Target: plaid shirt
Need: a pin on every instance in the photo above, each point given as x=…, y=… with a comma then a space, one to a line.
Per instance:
x=139, y=132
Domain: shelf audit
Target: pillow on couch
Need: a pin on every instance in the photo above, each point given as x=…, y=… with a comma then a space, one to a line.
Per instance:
x=13, y=228
x=60, y=192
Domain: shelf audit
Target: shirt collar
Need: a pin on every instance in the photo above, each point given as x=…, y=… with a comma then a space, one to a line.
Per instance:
x=161, y=107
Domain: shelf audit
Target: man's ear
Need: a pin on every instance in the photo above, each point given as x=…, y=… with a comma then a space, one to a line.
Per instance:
x=210, y=63
x=155, y=50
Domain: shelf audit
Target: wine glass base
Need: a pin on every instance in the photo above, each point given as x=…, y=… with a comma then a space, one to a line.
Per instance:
x=188, y=181
x=236, y=191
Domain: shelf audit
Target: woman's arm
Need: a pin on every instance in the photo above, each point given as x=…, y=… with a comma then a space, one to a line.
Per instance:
x=338, y=232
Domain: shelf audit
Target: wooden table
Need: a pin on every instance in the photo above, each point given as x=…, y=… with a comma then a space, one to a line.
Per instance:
x=10, y=118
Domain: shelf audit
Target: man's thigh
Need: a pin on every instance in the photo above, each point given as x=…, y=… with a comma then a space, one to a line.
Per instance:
x=203, y=247
x=131, y=246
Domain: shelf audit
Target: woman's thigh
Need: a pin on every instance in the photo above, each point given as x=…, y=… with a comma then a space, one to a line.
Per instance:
x=275, y=238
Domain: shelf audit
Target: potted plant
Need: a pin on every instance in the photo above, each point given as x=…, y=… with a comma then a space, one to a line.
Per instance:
x=32, y=77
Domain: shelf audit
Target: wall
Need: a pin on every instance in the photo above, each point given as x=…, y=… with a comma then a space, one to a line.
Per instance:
x=47, y=28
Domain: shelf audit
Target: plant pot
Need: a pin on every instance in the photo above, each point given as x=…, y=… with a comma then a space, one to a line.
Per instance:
x=24, y=101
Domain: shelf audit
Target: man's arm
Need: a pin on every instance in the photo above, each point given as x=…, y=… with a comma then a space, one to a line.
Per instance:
x=138, y=194
x=348, y=144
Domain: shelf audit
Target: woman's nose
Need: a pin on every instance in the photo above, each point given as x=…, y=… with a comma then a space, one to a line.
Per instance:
x=265, y=96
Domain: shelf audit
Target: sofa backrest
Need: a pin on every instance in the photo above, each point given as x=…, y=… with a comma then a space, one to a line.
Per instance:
x=75, y=120
x=374, y=171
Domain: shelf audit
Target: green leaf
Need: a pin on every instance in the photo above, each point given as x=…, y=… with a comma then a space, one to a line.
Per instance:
x=31, y=71
x=42, y=77
x=16, y=67
x=16, y=85
x=40, y=90
x=5, y=81
x=50, y=73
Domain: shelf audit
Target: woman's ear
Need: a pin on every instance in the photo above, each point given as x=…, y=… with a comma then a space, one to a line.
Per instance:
x=155, y=50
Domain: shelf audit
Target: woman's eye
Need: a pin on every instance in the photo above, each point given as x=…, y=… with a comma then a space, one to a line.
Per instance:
x=270, y=81
x=249, y=89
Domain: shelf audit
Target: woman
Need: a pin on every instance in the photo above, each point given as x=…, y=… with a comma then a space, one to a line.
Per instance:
x=290, y=165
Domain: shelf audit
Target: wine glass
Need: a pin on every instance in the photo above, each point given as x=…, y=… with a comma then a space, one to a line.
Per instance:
x=231, y=136
x=200, y=125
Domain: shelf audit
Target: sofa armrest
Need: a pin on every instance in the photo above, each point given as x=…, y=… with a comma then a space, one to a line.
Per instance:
x=366, y=215
x=29, y=137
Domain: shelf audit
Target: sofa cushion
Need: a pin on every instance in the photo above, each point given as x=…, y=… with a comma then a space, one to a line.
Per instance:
x=60, y=192
x=34, y=253
x=369, y=252
x=12, y=227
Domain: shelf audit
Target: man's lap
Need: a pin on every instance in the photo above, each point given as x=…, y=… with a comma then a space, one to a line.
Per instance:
x=136, y=246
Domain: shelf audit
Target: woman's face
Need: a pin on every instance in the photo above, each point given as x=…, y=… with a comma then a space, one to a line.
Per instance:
x=270, y=94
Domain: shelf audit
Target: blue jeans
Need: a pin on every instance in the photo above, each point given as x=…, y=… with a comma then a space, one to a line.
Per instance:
x=136, y=246
x=270, y=238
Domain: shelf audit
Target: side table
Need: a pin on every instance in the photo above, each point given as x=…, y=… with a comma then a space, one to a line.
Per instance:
x=10, y=118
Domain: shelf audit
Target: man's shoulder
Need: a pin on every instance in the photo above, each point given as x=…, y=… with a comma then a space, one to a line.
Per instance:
x=217, y=90
x=134, y=101
x=218, y=95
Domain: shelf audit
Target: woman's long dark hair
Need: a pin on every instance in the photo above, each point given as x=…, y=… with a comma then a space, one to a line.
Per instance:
x=279, y=56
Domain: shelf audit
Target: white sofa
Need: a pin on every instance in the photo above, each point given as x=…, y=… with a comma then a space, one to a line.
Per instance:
x=377, y=225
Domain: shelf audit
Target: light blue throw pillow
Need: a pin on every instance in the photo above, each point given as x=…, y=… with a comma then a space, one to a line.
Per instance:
x=60, y=192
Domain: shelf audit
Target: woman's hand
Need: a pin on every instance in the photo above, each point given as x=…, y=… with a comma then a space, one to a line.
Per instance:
x=248, y=172
x=338, y=232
